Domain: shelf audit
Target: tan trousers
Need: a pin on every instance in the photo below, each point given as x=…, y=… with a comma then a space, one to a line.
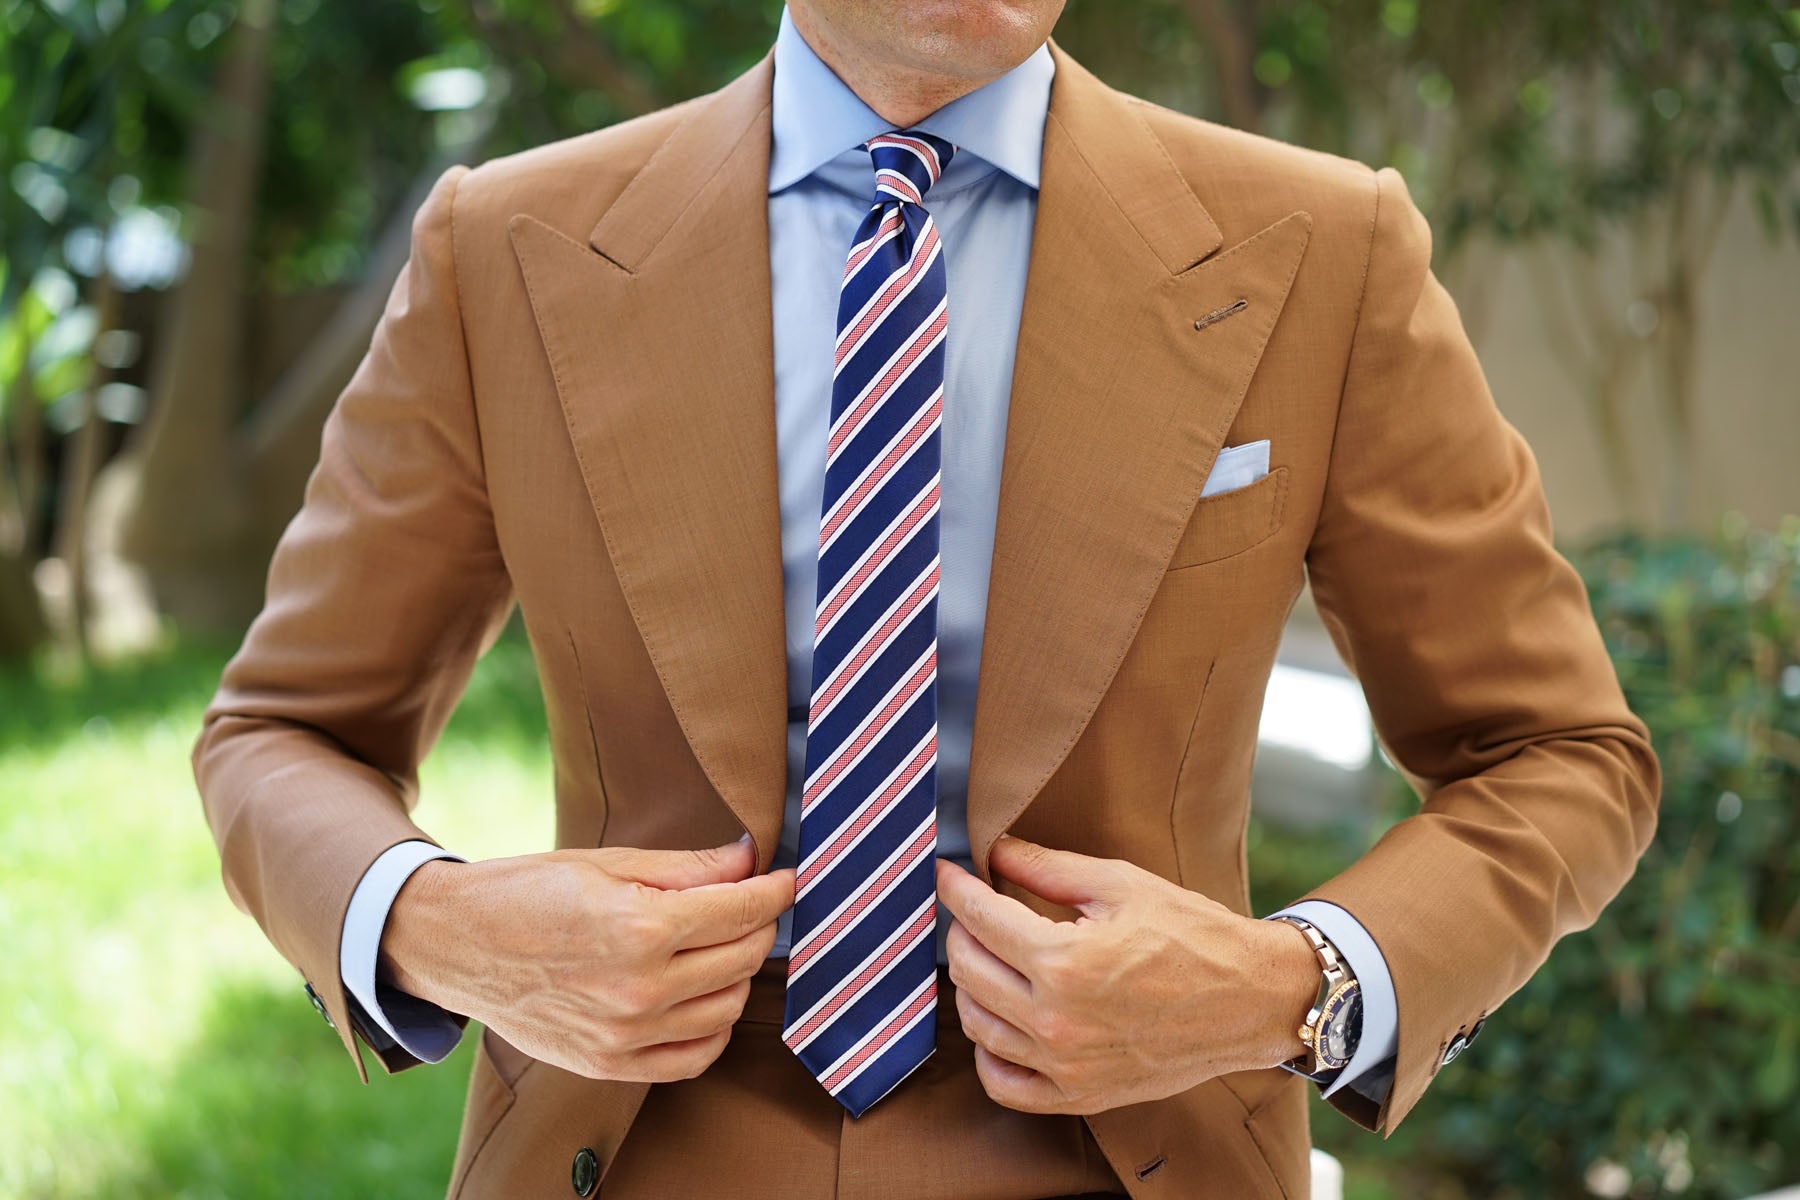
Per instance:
x=756, y=1125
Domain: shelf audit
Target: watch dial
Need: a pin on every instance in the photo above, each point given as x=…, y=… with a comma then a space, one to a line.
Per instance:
x=1344, y=1028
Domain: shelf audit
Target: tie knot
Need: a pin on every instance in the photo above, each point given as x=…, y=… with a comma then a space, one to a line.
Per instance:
x=907, y=163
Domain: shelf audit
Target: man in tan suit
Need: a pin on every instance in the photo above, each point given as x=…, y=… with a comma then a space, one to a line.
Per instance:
x=1187, y=368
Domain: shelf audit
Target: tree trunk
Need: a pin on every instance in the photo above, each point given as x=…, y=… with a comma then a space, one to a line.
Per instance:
x=12, y=501
x=21, y=616
x=187, y=517
x=1229, y=38
x=279, y=444
x=22, y=625
x=86, y=448
x=25, y=411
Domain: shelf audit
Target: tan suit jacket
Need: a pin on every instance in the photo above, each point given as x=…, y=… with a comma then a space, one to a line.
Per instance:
x=569, y=404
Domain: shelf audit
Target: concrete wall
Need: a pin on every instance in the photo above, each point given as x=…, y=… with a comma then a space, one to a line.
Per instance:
x=1747, y=455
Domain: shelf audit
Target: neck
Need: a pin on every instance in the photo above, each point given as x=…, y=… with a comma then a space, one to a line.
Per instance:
x=898, y=94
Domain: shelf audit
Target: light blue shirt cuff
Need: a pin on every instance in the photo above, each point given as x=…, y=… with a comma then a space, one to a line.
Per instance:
x=421, y=1028
x=1370, y=1070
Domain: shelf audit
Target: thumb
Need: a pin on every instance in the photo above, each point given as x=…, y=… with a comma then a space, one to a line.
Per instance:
x=673, y=870
x=1059, y=876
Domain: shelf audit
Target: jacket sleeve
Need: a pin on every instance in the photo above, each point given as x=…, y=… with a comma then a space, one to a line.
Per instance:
x=383, y=591
x=1433, y=569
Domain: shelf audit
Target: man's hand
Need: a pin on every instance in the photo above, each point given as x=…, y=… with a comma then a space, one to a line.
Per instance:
x=1154, y=989
x=613, y=963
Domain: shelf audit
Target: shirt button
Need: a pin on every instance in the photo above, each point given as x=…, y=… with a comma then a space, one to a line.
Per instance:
x=585, y=1174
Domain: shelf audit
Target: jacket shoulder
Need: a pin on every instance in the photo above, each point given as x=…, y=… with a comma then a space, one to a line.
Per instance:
x=1248, y=180
x=568, y=183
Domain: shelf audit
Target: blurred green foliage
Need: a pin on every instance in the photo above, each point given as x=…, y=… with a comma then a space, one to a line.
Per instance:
x=152, y=1043
x=1659, y=1053
x=1520, y=118
x=1514, y=118
x=100, y=98
x=1667, y=1042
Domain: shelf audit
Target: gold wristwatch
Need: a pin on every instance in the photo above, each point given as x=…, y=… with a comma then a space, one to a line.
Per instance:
x=1334, y=1023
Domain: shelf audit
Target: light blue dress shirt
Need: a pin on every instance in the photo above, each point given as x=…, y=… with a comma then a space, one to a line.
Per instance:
x=821, y=184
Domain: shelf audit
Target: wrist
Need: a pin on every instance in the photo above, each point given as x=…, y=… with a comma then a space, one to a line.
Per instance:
x=417, y=925
x=1293, y=987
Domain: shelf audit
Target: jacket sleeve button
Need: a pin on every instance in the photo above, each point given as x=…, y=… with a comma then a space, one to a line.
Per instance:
x=585, y=1174
x=319, y=1005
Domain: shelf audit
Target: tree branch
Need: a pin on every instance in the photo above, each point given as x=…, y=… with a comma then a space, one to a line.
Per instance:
x=1229, y=41
x=591, y=50
x=580, y=55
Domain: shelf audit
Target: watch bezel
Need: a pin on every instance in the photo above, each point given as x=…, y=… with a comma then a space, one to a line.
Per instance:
x=1323, y=1016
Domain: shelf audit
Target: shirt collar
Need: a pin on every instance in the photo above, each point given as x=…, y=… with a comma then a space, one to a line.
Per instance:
x=815, y=117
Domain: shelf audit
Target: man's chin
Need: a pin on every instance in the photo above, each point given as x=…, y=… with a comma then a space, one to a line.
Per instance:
x=966, y=39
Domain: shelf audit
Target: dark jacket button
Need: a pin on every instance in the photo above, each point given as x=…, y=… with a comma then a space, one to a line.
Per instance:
x=585, y=1174
x=319, y=1005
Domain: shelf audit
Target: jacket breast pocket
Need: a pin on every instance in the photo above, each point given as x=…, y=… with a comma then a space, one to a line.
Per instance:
x=1232, y=522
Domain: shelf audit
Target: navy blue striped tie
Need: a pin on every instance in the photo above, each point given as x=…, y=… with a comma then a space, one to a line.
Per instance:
x=862, y=970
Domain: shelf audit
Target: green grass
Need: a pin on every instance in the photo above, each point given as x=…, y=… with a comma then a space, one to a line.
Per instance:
x=152, y=1043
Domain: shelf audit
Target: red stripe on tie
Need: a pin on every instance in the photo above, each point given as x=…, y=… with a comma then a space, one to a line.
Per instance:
x=890, y=291
x=846, y=673
x=874, y=729
x=859, y=254
x=914, y=349
x=923, y=150
x=844, y=510
x=898, y=183
x=849, y=992
x=907, y=860
x=882, y=804
x=879, y=559
x=879, y=1042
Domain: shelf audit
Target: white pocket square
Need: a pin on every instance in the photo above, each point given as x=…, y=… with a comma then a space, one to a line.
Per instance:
x=1236, y=467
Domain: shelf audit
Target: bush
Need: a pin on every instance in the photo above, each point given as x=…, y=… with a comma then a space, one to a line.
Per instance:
x=1659, y=1053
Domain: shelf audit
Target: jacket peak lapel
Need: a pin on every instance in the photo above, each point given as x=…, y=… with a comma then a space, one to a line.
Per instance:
x=1119, y=405
x=658, y=334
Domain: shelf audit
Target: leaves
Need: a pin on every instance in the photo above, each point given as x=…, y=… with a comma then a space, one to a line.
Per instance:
x=1662, y=1046
x=1670, y=1028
